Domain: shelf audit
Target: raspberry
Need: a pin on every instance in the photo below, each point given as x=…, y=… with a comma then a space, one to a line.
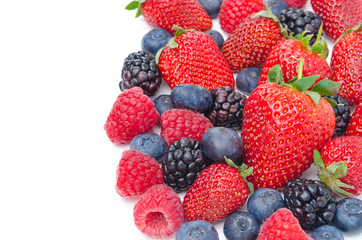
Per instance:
x=159, y=212
x=178, y=123
x=133, y=113
x=136, y=173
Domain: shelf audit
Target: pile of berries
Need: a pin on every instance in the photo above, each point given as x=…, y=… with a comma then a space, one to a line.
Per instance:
x=245, y=118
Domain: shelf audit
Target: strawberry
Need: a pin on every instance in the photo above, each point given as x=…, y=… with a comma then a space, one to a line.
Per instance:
x=340, y=166
x=296, y=3
x=338, y=15
x=192, y=57
x=354, y=127
x=166, y=13
x=346, y=64
x=252, y=40
x=218, y=191
x=233, y=12
x=282, y=126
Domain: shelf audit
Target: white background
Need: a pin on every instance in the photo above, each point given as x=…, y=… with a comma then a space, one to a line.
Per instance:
x=60, y=65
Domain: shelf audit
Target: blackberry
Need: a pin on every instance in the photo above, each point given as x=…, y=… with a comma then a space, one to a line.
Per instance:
x=311, y=202
x=140, y=70
x=342, y=113
x=227, y=108
x=182, y=163
x=297, y=21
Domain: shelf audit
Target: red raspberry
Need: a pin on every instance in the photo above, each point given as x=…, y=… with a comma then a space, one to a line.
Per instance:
x=282, y=225
x=178, y=123
x=136, y=173
x=133, y=113
x=159, y=212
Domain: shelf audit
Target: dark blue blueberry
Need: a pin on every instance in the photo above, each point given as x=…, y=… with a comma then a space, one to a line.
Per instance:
x=192, y=97
x=155, y=39
x=212, y=7
x=151, y=144
x=277, y=6
x=264, y=202
x=162, y=103
x=348, y=215
x=197, y=230
x=220, y=142
x=217, y=37
x=241, y=225
x=247, y=79
x=327, y=232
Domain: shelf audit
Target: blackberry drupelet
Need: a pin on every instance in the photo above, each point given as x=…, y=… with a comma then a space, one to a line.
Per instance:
x=182, y=163
x=140, y=69
x=342, y=113
x=227, y=108
x=297, y=21
x=311, y=202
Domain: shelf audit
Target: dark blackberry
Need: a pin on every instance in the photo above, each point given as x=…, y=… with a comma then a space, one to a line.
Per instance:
x=311, y=202
x=342, y=113
x=297, y=21
x=227, y=108
x=140, y=70
x=182, y=163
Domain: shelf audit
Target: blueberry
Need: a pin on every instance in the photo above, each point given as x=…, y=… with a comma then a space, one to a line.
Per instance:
x=241, y=225
x=327, y=232
x=220, y=142
x=348, y=215
x=264, y=202
x=212, y=7
x=162, y=103
x=247, y=79
x=192, y=97
x=277, y=6
x=200, y=230
x=155, y=39
x=151, y=144
x=216, y=36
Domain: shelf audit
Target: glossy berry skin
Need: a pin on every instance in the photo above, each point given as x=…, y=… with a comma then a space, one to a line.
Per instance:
x=354, y=127
x=192, y=97
x=347, y=149
x=327, y=232
x=247, y=79
x=282, y=225
x=346, y=66
x=296, y=3
x=241, y=225
x=276, y=6
x=217, y=37
x=348, y=215
x=342, y=113
x=150, y=144
x=233, y=12
x=200, y=230
x=132, y=113
x=219, y=142
x=155, y=39
x=162, y=103
x=136, y=172
x=264, y=202
x=196, y=60
x=178, y=123
x=158, y=213
x=212, y=7
x=218, y=191
x=242, y=51
x=281, y=128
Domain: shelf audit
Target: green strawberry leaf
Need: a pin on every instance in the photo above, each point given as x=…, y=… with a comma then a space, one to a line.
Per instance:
x=158, y=54
x=303, y=84
x=331, y=101
x=275, y=74
x=316, y=97
x=349, y=30
x=318, y=161
x=137, y=4
x=327, y=88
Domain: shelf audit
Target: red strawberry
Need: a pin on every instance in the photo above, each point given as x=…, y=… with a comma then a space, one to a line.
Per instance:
x=188, y=14
x=250, y=43
x=340, y=166
x=193, y=57
x=159, y=212
x=133, y=113
x=282, y=225
x=338, y=15
x=178, y=123
x=354, y=127
x=136, y=172
x=218, y=191
x=233, y=12
x=282, y=126
x=296, y=3
x=346, y=64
